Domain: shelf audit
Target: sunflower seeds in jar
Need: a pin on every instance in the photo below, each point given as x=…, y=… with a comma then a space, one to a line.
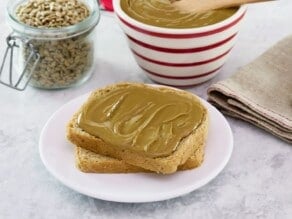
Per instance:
x=62, y=32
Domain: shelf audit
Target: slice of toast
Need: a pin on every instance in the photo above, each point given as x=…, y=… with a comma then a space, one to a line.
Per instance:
x=166, y=164
x=90, y=162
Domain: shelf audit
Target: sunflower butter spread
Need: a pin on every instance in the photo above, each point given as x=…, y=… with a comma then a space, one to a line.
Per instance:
x=143, y=119
x=162, y=14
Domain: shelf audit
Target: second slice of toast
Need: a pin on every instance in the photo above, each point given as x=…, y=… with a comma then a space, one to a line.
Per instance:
x=90, y=162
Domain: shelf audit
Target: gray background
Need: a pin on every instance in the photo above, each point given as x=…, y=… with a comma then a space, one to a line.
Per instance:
x=256, y=183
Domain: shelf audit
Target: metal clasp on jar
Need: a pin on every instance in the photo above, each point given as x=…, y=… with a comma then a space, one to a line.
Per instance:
x=11, y=79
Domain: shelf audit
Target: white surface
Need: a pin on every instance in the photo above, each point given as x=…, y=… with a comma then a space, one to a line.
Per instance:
x=57, y=155
x=256, y=183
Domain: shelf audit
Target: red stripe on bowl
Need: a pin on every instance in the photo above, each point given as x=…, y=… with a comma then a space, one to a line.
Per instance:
x=179, y=86
x=181, y=64
x=190, y=50
x=181, y=77
x=182, y=36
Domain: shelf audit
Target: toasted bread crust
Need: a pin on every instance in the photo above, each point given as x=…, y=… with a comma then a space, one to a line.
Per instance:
x=90, y=162
x=165, y=165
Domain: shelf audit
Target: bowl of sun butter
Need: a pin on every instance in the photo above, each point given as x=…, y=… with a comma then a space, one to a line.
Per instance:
x=174, y=47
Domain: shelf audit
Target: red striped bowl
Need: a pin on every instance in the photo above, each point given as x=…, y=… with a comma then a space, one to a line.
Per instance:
x=180, y=57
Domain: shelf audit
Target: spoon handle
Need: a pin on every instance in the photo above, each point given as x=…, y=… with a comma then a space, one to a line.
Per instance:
x=233, y=3
x=205, y=5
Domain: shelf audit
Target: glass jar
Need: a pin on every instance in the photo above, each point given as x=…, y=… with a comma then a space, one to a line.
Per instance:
x=53, y=58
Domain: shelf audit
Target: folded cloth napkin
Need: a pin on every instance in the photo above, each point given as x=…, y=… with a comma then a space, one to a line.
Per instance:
x=261, y=92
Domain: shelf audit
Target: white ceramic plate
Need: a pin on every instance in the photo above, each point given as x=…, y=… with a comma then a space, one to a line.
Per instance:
x=57, y=155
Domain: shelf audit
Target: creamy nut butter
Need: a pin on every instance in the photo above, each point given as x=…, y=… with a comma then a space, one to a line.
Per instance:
x=162, y=14
x=143, y=119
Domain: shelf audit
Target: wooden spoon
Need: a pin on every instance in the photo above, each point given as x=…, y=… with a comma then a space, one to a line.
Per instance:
x=196, y=6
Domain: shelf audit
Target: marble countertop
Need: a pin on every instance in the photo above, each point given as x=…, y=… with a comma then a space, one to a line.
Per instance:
x=256, y=183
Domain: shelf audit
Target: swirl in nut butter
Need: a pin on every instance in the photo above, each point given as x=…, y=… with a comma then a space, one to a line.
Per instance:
x=162, y=14
x=141, y=119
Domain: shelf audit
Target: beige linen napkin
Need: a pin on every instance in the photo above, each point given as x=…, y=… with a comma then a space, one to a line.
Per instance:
x=261, y=92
